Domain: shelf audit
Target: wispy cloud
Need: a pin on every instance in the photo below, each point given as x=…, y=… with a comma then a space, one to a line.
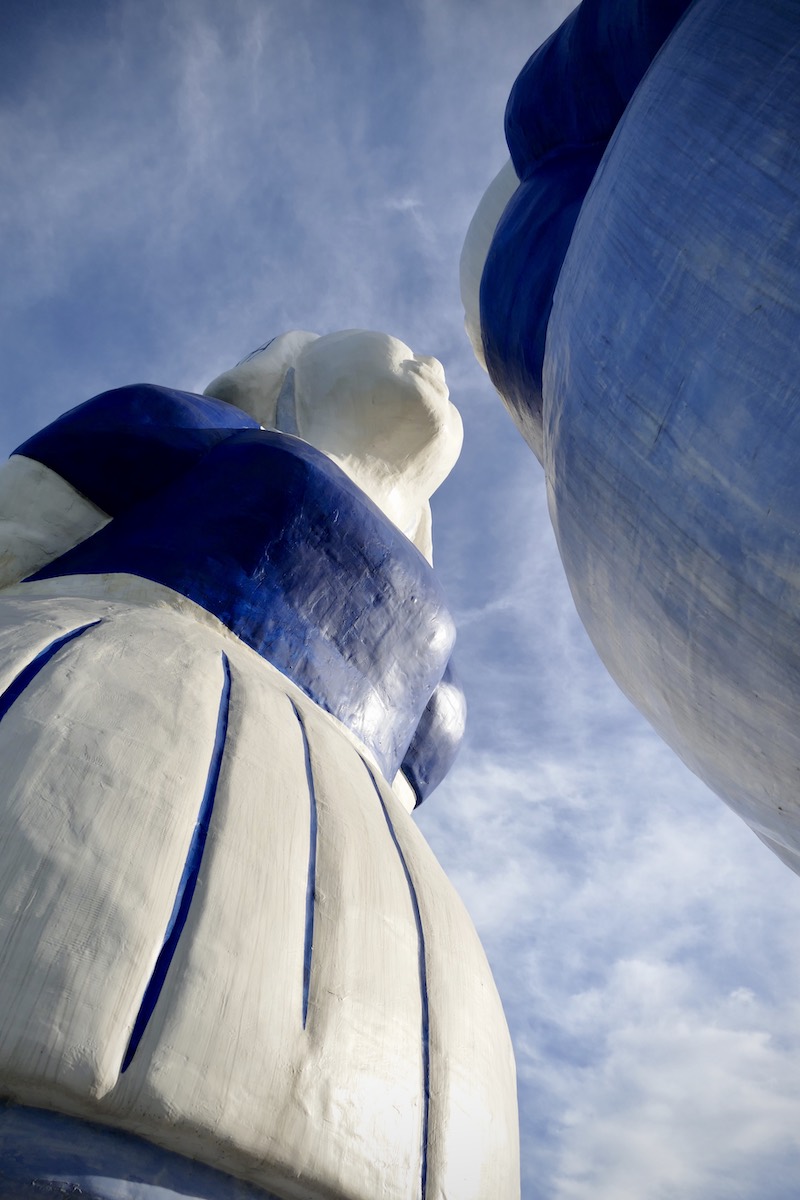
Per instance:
x=192, y=178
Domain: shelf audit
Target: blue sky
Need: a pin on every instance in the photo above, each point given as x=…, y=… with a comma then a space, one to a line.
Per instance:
x=184, y=180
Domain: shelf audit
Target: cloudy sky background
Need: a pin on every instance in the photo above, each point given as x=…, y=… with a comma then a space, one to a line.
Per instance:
x=183, y=180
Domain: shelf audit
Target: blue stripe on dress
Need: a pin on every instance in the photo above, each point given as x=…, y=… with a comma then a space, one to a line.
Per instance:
x=423, y=988
x=311, y=880
x=188, y=880
x=29, y=673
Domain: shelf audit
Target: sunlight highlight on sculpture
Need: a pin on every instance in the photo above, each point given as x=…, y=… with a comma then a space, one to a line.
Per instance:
x=639, y=316
x=229, y=963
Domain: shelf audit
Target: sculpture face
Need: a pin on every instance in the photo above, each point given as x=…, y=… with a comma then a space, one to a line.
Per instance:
x=381, y=411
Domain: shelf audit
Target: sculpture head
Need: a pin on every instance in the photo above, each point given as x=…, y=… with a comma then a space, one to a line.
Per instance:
x=378, y=410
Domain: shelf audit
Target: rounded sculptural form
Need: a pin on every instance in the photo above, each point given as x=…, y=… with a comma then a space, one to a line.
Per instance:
x=639, y=315
x=225, y=680
x=379, y=411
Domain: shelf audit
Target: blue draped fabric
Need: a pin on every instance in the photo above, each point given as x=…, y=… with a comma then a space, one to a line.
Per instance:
x=127, y=444
x=270, y=536
x=561, y=114
x=438, y=736
x=664, y=399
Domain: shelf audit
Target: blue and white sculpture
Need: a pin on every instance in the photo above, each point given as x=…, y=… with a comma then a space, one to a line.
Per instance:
x=632, y=283
x=229, y=964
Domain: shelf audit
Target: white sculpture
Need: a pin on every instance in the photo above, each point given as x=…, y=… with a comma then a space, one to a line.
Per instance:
x=367, y=401
x=220, y=930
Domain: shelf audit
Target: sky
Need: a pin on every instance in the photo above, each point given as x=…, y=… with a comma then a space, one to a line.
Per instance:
x=184, y=179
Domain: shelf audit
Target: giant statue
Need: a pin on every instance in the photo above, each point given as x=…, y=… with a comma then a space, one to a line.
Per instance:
x=229, y=964
x=632, y=285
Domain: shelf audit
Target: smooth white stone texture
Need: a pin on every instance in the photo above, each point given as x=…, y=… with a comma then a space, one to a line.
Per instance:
x=41, y=517
x=105, y=757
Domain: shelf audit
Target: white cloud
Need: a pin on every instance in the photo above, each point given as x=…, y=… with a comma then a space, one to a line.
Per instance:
x=689, y=1093
x=189, y=179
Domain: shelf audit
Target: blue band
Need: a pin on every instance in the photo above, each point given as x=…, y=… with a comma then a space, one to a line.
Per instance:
x=275, y=540
x=128, y=444
x=46, y=1154
x=562, y=112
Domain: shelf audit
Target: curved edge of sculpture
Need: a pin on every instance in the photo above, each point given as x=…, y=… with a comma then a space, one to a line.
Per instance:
x=649, y=356
x=45, y=1153
x=562, y=112
x=240, y=947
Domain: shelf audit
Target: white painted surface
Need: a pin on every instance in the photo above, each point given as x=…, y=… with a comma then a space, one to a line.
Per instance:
x=404, y=792
x=476, y=248
x=104, y=761
x=366, y=400
x=41, y=517
x=254, y=384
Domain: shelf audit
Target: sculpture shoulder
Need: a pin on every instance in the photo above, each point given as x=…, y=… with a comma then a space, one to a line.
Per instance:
x=127, y=444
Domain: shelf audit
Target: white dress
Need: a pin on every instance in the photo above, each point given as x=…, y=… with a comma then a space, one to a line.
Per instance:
x=219, y=927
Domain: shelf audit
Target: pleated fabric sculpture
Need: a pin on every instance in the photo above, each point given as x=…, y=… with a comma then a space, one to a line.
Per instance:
x=229, y=964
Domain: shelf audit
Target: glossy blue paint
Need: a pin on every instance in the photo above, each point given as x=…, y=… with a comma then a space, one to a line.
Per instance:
x=45, y=1154
x=29, y=672
x=563, y=109
x=423, y=992
x=520, y=276
x=311, y=878
x=671, y=412
x=270, y=536
x=438, y=736
x=188, y=881
x=129, y=443
x=573, y=90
